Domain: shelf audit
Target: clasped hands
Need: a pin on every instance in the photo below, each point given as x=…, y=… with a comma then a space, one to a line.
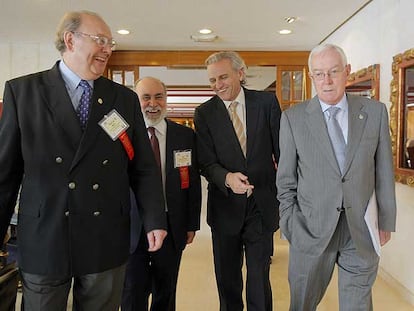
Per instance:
x=239, y=183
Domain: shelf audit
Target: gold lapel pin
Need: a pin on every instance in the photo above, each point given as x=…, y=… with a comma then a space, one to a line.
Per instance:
x=100, y=101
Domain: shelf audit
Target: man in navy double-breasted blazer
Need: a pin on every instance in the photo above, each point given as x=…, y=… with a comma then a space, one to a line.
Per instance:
x=73, y=221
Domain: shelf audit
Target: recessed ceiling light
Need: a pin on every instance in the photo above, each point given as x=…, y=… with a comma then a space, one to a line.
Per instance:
x=123, y=32
x=290, y=19
x=204, y=37
x=285, y=31
x=205, y=31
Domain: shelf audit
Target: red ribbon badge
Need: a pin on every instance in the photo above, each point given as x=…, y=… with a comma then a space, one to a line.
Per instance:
x=185, y=177
x=126, y=142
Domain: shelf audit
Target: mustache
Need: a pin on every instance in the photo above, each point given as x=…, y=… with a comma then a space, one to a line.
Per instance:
x=153, y=109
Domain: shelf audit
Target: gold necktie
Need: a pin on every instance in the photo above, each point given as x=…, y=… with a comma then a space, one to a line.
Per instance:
x=238, y=126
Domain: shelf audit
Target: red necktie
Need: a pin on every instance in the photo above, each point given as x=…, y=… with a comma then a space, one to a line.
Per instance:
x=155, y=146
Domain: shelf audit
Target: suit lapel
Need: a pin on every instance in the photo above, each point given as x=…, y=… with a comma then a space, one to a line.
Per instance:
x=169, y=149
x=221, y=117
x=102, y=103
x=61, y=106
x=252, y=114
x=357, y=119
x=317, y=127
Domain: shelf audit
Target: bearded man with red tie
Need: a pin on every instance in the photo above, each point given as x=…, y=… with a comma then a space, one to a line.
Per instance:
x=173, y=146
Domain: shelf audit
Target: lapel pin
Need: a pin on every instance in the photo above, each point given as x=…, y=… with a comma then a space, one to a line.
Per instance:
x=100, y=101
x=361, y=117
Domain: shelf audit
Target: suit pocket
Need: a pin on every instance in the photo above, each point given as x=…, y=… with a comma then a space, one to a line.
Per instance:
x=29, y=207
x=285, y=222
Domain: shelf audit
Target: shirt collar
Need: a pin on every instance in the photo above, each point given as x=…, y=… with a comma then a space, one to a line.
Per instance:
x=161, y=127
x=239, y=99
x=343, y=104
x=71, y=79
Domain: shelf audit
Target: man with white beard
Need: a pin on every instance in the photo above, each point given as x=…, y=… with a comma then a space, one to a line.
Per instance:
x=156, y=273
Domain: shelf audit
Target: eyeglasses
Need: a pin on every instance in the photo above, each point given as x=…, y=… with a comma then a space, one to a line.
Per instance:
x=102, y=41
x=333, y=73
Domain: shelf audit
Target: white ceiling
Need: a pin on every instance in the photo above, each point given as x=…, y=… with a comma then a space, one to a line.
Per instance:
x=168, y=25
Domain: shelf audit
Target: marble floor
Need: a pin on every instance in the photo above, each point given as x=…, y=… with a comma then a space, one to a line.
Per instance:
x=196, y=288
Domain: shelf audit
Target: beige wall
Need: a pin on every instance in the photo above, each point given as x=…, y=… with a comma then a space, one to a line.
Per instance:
x=18, y=59
x=377, y=33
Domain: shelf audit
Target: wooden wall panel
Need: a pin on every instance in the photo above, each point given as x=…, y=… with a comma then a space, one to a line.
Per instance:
x=197, y=58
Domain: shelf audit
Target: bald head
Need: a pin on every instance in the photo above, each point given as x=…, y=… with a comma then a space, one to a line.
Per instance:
x=152, y=95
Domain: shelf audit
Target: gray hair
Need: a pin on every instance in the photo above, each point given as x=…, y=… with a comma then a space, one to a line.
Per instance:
x=237, y=62
x=71, y=22
x=323, y=47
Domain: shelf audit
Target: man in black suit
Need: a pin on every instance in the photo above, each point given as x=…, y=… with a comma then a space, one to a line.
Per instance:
x=236, y=152
x=75, y=173
x=157, y=272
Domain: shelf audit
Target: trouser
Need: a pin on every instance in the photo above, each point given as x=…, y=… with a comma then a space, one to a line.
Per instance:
x=309, y=276
x=97, y=291
x=228, y=252
x=154, y=273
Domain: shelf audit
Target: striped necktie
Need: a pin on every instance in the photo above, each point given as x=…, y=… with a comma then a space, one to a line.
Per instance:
x=238, y=126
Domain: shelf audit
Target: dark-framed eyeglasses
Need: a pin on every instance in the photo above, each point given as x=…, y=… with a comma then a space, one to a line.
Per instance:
x=102, y=41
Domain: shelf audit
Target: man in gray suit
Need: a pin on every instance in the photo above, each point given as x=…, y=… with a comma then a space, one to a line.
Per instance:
x=324, y=192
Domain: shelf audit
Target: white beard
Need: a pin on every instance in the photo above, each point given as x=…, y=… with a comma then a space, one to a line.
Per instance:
x=153, y=122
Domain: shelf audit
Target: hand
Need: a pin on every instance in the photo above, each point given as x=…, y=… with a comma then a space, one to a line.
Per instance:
x=190, y=236
x=385, y=236
x=238, y=183
x=155, y=239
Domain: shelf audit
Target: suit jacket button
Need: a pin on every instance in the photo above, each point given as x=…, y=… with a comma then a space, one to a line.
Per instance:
x=95, y=186
x=67, y=213
x=59, y=160
x=96, y=213
x=72, y=185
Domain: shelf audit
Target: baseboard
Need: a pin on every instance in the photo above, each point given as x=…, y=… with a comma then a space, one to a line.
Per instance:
x=397, y=286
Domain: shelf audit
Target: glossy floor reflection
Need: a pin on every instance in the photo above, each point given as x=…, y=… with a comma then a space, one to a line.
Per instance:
x=197, y=288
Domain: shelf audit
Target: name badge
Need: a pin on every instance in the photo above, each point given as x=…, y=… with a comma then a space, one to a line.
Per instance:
x=113, y=124
x=182, y=158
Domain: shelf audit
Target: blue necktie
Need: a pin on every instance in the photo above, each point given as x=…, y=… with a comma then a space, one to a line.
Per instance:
x=336, y=135
x=85, y=100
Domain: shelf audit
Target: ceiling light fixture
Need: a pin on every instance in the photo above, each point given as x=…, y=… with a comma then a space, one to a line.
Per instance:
x=204, y=37
x=290, y=19
x=123, y=32
x=205, y=31
x=285, y=31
